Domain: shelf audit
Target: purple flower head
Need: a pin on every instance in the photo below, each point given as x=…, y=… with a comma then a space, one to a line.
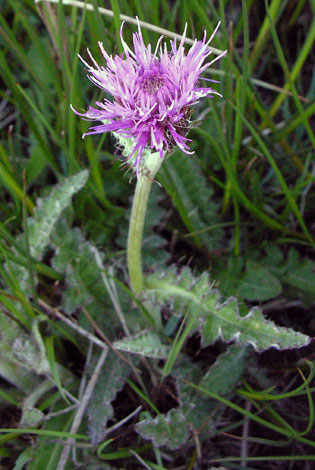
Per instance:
x=152, y=93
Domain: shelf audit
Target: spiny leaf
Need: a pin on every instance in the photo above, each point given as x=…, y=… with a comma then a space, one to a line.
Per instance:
x=206, y=412
x=23, y=459
x=252, y=282
x=215, y=319
x=257, y=283
x=266, y=276
x=74, y=257
x=223, y=375
x=48, y=452
x=31, y=418
x=49, y=209
x=169, y=430
x=144, y=344
x=26, y=351
x=109, y=383
x=192, y=196
x=303, y=277
x=294, y=270
x=299, y=273
x=47, y=212
x=16, y=374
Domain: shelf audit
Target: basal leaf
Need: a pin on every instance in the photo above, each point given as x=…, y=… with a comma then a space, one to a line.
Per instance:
x=257, y=283
x=49, y=209
x=22, y=459
x=293, y=271
x=223, y=375
x=205, y=411
x=109, y=383
x=84, y=287
x=193, y=198
x=196, y=296
x=47, y=212
x=300, y=273
x=48, y=451
x=170, y=430
x=144, y=344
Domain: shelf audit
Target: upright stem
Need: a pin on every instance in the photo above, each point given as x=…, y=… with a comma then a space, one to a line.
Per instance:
x=139, y=206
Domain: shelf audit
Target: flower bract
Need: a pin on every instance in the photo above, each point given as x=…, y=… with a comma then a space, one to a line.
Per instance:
x=151, y=93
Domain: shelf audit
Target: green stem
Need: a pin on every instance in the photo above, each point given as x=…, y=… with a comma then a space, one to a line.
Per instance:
x=138, y=211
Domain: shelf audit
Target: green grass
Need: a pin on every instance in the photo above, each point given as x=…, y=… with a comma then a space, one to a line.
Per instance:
x=240, y=209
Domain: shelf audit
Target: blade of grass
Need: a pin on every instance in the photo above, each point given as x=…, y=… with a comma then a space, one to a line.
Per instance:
x=237, y=230
x=296, y=121
x=22, y=260
x=143, y=396
x=299, y=6
x=116, y=11
x=141, y=14
x=19, y=316
x=296, y=69
x=23, y=16
x=285, y=68
x=278, y=174
x=238, y=127
x=14, y=286
x=276, y=9
x=49, y=343
x=269, y=458
x=27, y=246
x=200, y=11
x=178, y=342
x=9, y=79
x=97, y=26
x=9, y=182
x=7, y=397
x=237, y=30
x=96, y=173
x=311, y=415
x=264, y=396
x=44, y=432
x=40, y=116
x=22, y=58
x=268, y=221
x=252, y=416
x=71, y=130
x=242, y=85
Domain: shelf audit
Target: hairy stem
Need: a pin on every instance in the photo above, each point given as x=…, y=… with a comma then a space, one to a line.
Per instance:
x=138, y=211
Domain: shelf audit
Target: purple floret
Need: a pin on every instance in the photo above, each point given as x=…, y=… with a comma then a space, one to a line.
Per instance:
x=152, y=92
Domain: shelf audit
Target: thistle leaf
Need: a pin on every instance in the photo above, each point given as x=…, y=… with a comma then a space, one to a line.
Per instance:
x=169, y=430
x=223, y=375
x=206, y=411
x=216, y=319
x=49, y=209
x=299, y=273
x=109, y=383
x=192, y=197
x=47, y=212
x=84, y=287
x=49, y=451
x=144, y=344
x=257, y=283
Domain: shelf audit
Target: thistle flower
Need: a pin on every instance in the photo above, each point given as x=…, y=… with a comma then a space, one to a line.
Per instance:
x=152, y=93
